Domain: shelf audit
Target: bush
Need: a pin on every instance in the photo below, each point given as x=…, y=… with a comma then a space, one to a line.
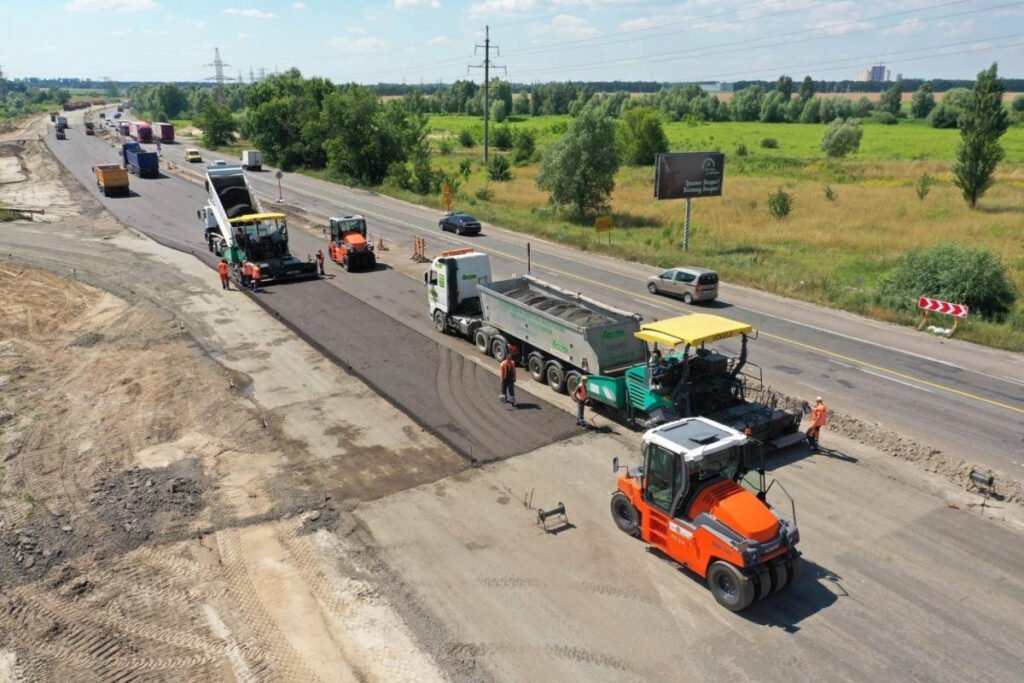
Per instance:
x=780, y=203
x=924, y=186
x=502, y=138
x=741, y=150
x=886, y=118
x=499, y=169
x=769, y=143
x=399, y=175
x=484, y=194
x=465, y=168
x=830, y=194
x=499, y=112
x=466, y=138
x=962, y=275
x=445, y=147
x=523, y=146
x=943, y=116
x=842, y=137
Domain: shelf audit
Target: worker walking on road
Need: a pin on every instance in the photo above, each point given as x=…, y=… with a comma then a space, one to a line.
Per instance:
x=256, y=275
x=320, y=260
x=819, y=418
x=508, y=378
x=580, y=396
x=222, y=268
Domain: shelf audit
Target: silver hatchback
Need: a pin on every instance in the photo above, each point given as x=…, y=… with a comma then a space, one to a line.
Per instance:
x=690, y=284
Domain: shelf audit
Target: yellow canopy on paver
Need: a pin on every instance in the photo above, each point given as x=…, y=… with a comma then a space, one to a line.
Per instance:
x=256, y=218
x=698, y=328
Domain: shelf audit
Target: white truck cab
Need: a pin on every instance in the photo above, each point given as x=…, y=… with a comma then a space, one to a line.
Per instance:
x=452, y=289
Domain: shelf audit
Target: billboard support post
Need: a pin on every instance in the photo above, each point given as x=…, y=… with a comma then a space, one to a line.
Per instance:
x=686, y=227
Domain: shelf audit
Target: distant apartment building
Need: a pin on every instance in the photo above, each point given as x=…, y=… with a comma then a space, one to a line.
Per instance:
x=878, y=72
x=716, y=87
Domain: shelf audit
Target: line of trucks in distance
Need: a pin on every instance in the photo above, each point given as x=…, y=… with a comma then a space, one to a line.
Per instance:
x=700, y=496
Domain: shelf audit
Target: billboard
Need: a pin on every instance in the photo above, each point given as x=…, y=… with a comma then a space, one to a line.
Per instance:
x=681, y=175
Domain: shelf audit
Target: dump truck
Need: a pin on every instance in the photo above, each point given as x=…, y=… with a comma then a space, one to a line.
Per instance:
x=62, y=121
x=700, y=499
x=348, y=243
x=164, y=132
x=111, y=179
x=53, y=116
x=90, y=128
x=238, y=229
x=140, y=162
x=559, y=335
x=252, y=160
x=61, y=135
x=693, y=379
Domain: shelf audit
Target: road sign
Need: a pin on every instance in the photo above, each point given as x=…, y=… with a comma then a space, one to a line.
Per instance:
x=279, y=175
x=958, y=310
x=603, y=223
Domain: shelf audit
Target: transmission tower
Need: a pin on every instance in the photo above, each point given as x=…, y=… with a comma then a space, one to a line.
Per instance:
x=263, y=72
x=252, y=76
x=486, y=66
x=218, y=78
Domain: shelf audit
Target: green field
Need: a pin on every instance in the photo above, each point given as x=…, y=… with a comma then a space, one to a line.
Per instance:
x=826, y=251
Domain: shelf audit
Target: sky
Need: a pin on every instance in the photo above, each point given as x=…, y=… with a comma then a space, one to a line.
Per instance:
x=430, y=41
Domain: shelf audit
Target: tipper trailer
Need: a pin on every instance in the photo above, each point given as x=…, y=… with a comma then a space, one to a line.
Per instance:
x=560, y=336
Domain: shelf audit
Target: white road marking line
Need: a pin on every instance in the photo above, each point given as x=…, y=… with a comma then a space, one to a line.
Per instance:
x=882, y=376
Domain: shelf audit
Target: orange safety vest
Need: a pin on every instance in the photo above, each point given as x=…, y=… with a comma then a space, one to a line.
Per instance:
x=222, y=268
x=580, y=395
x=256, y=272
x=819, y=416
x=508, y=369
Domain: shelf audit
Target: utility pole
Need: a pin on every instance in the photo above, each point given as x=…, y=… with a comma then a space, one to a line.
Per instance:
x=486, y=66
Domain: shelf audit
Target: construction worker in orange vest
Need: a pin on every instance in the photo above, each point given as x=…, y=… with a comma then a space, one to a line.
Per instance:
x=256, y=275
x=819, y=418
x=320, y=260
x=247, y=274
x=508, y=377
x=580, y=396
x=222, y=268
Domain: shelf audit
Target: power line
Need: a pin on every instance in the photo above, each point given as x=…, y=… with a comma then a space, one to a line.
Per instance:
x=218, y=75
x=706, y=51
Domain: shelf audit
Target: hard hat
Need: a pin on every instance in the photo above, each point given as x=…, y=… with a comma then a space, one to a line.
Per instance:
x=819, y=399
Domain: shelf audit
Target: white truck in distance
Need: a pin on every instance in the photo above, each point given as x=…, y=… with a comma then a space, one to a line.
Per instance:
x=252, y=160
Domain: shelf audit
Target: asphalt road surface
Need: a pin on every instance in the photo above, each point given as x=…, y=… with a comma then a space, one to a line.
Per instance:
x=455, y=399
x=951, y=395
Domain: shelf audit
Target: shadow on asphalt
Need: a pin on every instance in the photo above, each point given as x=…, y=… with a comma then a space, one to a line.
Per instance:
x=798, y=452
x=815, y=589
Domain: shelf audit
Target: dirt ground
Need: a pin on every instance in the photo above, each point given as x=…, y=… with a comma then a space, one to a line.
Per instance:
x=177, y=471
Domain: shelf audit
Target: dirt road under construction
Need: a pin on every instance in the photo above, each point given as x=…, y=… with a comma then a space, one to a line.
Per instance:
x=192, y=491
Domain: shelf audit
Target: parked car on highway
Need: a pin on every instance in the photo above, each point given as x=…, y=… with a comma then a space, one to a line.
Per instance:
x=689, y=283
x=193, y=155
x=459, y=223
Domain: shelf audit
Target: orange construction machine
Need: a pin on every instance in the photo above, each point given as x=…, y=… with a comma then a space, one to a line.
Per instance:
x=349, y=245
x=700, y=499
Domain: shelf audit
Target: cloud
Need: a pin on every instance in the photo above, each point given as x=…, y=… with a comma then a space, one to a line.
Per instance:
x=417, y=4
x=118, y=32
x=488, y=7
x=642, y=23
x=438, y=41
x=244, y=36
x=299, y=5
x=111, y=5
x=906, y=27
x=838, y=28
x=569, y=26
x=358, y=46
x=957, y=29
x=250, y=13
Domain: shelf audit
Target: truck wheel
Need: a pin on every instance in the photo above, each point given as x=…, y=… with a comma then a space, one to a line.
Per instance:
x=483, y=342
x=625, y=516
x=535, y=364
x=652, y=288
x=687, y=298
x=731, y=588
x=572, y=380
x=556, y=377
x=439, y=320
x=499, y=348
